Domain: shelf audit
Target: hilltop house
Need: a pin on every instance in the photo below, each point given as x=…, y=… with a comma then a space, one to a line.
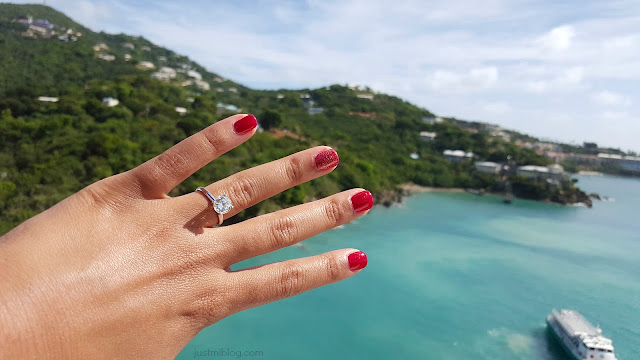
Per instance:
x=365, y=96
x=457, y=155
x=427, y=135
x=370, y=115
x=553, y=172
x=488, y=167
x=315, y=110
x=49, y=99
x=180, y=110
x=202, y=85
x=146, y=65
x=129, y=45
x=100, y=47
x=145, y=48
x=194, y=74
x=222, y=107
x=110, y=102
x=432, y=120
x=127, y=57
x=164, y=74
x=107, y=57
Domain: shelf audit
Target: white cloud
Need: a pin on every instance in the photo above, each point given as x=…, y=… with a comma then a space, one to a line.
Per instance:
x=615, y=115
x=537, y=86
x=456, y=82
x=497, y=107
x=558, y=38
x=610, y=98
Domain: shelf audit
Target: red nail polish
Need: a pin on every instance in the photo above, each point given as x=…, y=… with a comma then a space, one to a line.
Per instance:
x=362, y=201
x=245, y=124
x=326, y=159
x=357, y=260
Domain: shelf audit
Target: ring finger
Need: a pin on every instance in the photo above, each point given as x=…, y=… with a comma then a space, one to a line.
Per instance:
x=251, y=186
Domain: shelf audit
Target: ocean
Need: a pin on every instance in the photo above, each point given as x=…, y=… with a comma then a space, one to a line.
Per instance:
x=456, y=276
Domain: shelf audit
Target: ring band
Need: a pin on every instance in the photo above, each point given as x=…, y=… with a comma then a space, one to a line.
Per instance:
x=221, y=205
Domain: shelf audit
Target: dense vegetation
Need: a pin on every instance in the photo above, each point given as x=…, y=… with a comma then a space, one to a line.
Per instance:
x=51, y=150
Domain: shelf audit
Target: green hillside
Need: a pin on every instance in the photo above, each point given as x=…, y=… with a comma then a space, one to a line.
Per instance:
x=49, y=150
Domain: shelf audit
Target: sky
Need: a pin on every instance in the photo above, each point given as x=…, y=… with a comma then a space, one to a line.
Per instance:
x=557, y=69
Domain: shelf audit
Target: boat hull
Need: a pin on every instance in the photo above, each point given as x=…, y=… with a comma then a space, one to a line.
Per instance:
x=554, y=332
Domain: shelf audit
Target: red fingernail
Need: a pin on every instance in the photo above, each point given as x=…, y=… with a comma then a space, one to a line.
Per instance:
x=245, y=124
x=357, y=260
x=362, y=201
x=326, y=159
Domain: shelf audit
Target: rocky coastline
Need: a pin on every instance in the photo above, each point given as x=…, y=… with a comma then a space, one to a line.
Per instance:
x=389, y=198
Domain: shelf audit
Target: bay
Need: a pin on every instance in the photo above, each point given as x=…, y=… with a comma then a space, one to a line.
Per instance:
x=456, y=276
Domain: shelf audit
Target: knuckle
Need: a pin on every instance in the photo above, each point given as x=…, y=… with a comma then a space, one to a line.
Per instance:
x=208, y=307
x=169, y=161
x=283, y=232
x=291, y=282
x=332, y=268
x=294, y=170
x=213, y=142
x=334, y=212
x=99, y=195
x=242, y=190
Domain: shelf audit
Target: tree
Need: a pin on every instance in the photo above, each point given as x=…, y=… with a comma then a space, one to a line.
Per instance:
x=270, y=119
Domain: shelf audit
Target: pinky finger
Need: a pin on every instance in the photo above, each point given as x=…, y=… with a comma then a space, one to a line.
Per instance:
x=276, y=281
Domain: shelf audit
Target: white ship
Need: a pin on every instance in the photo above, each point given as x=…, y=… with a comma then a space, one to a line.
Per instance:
x=581, y=339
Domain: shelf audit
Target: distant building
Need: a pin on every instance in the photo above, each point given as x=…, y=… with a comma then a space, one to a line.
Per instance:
x=427, y=135
x=280, y=96
x=202, y=85
x=127, y=57
x=233, y=90
x=365, y=96
x=371, y=115
x=315, y=110
x=164, y=74
x=28, y=20
x=457, y=155
x=626, y=162
x=129, y=45
x=110, y=102
x=218, y=79
x=554, y=171
x=162, y=58
x=219, y=89
x=100, y=47
x=432, y=120
x=488, y=167
x=194, y=74
x=107, y=57
x=145, y=48
x=227, y=107
x=180, y=110
x=414, y=156
x=146, y=65
x=48, y=99
x=501, y=135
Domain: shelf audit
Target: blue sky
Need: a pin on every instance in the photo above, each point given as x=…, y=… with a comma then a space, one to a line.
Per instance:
x=562, y=70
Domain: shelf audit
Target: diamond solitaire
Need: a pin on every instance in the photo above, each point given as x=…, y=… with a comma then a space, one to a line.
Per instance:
x=222, y=204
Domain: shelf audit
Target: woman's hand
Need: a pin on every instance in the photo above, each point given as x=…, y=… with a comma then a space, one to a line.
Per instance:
x=122, y=269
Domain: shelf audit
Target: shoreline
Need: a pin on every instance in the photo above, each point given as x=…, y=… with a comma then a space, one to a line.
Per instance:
x=408, y=189
x=414, y=189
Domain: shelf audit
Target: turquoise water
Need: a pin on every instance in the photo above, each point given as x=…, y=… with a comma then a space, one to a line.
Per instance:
x=457, y=276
